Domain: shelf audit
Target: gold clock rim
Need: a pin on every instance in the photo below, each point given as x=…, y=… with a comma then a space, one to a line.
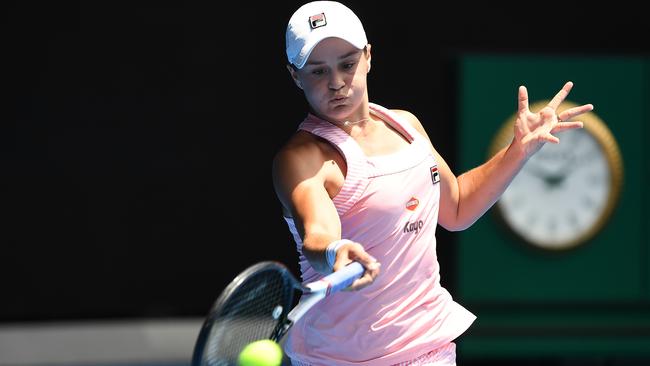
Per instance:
x=604, y=137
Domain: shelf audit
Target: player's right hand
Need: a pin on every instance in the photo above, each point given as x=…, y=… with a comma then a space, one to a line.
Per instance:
x=350, y=252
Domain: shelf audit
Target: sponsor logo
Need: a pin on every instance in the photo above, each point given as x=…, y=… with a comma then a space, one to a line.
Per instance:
x=435, y=175
x=317, y=20
x=413, y=227
x=412, y=204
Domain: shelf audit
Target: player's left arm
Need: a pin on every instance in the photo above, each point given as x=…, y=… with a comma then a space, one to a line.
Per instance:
x=465, y=198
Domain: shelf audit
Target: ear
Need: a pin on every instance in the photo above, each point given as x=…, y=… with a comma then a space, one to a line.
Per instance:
x=368, y=56
x=294, y=75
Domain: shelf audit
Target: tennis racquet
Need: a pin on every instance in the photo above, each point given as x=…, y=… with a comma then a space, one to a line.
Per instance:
x=262, y=302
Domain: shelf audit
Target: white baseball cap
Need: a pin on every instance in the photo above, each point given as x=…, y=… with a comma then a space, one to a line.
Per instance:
x=317, y=20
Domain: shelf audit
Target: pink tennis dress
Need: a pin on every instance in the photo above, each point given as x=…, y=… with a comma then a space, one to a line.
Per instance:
x=389, y=204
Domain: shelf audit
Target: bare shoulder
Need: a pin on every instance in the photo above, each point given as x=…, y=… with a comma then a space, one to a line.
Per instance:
x=298, y=145
x=412, y=119
x=309, y=162
x=302, y=150
x=301, y=142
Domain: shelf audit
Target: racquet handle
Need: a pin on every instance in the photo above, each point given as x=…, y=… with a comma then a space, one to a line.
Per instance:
x=344, y=276
x=317, y=290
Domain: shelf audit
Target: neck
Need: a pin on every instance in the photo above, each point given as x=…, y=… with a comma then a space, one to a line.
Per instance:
x=359, y=117
x=348, y=123
x=352, y=123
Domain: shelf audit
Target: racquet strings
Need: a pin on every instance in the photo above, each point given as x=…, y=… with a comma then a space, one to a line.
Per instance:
x=253, y=311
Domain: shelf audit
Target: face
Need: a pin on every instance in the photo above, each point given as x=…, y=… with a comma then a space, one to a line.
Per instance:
x=334, y=79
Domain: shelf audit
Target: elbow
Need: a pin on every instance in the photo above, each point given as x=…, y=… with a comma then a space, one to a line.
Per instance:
x=457, y=225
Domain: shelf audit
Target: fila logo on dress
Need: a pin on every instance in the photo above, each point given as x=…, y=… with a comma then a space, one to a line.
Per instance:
x=435, y=175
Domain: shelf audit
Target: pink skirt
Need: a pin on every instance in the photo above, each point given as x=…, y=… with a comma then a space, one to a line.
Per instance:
x=443, y=356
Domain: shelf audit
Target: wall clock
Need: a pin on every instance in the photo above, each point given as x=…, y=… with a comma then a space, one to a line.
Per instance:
x=566, y=192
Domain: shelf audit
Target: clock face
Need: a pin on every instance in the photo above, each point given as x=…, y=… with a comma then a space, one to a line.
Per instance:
x=560, y=193
x=565, y=192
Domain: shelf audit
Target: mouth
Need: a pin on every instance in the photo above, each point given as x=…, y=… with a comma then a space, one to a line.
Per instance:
x=338, y=99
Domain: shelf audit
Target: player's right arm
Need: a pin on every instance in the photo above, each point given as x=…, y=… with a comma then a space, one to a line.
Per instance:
x=299, y=176
x=306, y=176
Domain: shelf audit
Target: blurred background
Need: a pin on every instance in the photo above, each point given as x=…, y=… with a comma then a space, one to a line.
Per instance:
x=136, y=150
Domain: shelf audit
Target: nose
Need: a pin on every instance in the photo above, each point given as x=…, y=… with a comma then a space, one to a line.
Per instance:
x=336, y=80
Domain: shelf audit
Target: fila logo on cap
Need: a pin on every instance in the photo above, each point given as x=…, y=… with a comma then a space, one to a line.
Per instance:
x=435, y=175
x=317, y=20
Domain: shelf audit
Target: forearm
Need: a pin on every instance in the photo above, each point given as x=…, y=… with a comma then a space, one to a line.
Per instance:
x=481, y=187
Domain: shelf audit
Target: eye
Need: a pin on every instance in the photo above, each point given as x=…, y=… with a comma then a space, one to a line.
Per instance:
x=318, y=71
x=348, y=65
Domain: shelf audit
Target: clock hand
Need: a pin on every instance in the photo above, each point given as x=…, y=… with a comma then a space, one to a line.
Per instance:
x=554, y=180
x=555, y=177
x=550, y=180
x=558, y=177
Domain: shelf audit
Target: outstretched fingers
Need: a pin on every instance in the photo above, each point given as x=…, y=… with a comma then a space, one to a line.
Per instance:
x=561, y=95
x=550, y=138
x=523, y=99
x=522, y=104
x=540, y=138
x=564, y=117
x=563, y=126
x=575, y=111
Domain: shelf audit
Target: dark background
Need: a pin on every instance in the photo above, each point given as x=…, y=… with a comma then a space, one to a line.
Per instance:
x=137, y=140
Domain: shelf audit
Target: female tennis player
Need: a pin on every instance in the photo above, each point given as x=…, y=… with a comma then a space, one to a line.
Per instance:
x=362, y=182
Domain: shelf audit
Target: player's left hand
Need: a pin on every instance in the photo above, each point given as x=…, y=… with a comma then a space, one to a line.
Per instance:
x=533, y=130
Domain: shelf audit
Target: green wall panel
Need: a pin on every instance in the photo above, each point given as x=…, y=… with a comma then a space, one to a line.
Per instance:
x=609, y=276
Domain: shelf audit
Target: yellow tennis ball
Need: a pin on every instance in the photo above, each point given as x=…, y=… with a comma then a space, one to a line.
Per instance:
x=264, y=352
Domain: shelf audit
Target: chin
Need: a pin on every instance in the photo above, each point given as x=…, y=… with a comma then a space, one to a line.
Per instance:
x=341, y=111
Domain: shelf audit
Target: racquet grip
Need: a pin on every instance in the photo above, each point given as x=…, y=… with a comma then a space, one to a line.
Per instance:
x=344, y=276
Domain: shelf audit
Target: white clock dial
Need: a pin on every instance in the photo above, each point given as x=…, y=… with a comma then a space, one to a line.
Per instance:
x=560, y=191
x=565, y=192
